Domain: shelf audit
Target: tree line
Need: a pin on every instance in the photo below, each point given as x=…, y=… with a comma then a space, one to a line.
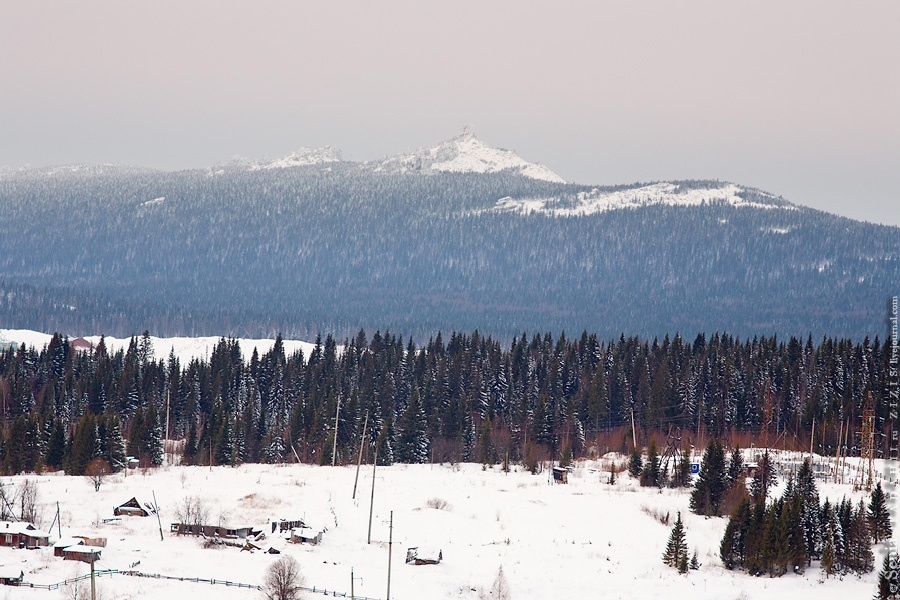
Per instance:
x=466, y=399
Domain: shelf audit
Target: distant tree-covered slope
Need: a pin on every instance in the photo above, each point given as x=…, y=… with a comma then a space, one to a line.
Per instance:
x=337, y=246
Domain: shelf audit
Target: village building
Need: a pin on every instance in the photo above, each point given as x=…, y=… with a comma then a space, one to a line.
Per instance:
x=134, y=508
x=221, y=531
x=11, y=574
x=82, y=553
x=22, y=535
x=560, y=475
x=424, y=556
x=285, y=525
x=64, y=543
x=81, y=345
x=306, y=535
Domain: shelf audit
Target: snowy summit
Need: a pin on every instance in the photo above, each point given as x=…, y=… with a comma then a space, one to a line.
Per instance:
x=303, y=157
x=465, y=153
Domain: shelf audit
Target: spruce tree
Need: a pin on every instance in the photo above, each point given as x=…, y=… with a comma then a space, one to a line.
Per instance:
x=809, y=494
x=650, y=471
x=635, y=463
x=676, y=547
x=709, y=491
x=829, y=552
x=861, y=558
x=113, y=443
x=878, y=516
x=763, y=478
x=191, y=445
x=889, y=577
x=412, y=435
x=735, y=467
x=683, y=472
x=56, y=446
x=152, y=441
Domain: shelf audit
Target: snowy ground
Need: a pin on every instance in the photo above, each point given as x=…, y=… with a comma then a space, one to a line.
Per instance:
x=584, y=539
x=185, y=348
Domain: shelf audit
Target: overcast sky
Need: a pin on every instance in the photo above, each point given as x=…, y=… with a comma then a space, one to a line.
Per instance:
x=799, y=98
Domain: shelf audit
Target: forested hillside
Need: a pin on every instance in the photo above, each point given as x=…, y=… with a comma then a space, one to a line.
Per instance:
x=340, y=246
x=466, y=398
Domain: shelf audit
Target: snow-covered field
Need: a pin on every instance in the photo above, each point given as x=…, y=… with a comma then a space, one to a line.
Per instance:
x=587, y=539
x=597, y=201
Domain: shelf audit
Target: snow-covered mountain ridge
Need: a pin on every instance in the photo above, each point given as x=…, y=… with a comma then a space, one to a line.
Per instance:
x=464, y=153
x=303, y=157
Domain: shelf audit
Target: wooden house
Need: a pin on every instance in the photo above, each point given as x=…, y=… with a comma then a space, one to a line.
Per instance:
x=64, y=543
x=134, y=508
x=306, y=535
x=222, y=531
x=81, y=345
x=82, y=553
x=285, y=525
x=99, y=542
x=22, y=535
x=424, y=556
x=11, y=574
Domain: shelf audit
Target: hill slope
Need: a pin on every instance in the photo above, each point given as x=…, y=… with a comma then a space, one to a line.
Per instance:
x=458, y=236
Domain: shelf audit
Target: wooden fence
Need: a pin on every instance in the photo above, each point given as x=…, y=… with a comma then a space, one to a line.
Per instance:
x=102, y=572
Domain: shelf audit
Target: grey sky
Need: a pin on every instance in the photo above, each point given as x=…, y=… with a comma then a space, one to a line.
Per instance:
x=800, y=98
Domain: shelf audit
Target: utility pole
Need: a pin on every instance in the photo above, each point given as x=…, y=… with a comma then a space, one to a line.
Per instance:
x=390, y=545
x=166, y=442
x=158, y=521
x=811, y=438
x=93, y=585
x=359, y=462
x=867, y=444
x=353, y=579
x=633, y=434
x=372, y=500
x=767, y=411
x=336, y=416
x=837, y=454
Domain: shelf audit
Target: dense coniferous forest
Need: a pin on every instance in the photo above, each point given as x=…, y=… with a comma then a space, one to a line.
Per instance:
x=460, y=398
x=336, y=248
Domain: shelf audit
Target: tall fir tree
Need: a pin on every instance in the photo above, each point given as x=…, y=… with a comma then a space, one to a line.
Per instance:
x=709, y=491
x=878, y=516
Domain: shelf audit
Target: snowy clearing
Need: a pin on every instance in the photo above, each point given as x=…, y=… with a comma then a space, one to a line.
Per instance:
x=186, y=349
x=584, y=539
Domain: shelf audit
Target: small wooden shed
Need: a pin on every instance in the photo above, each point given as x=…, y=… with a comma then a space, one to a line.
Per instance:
x=86, y=554
x=424, y=556
x=284, y=525
x=306, y=535
x=560, y=475
x=11, y=574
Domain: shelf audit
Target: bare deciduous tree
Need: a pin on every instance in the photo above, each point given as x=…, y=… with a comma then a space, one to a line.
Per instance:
x=500, y=589
x=192, y=511
x=96, y=471
x=28, y=500
x=283, y=580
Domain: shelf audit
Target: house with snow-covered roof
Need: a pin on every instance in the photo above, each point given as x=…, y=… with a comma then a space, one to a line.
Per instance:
x=134, y=508
x=11, y=574
x=18, y=534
